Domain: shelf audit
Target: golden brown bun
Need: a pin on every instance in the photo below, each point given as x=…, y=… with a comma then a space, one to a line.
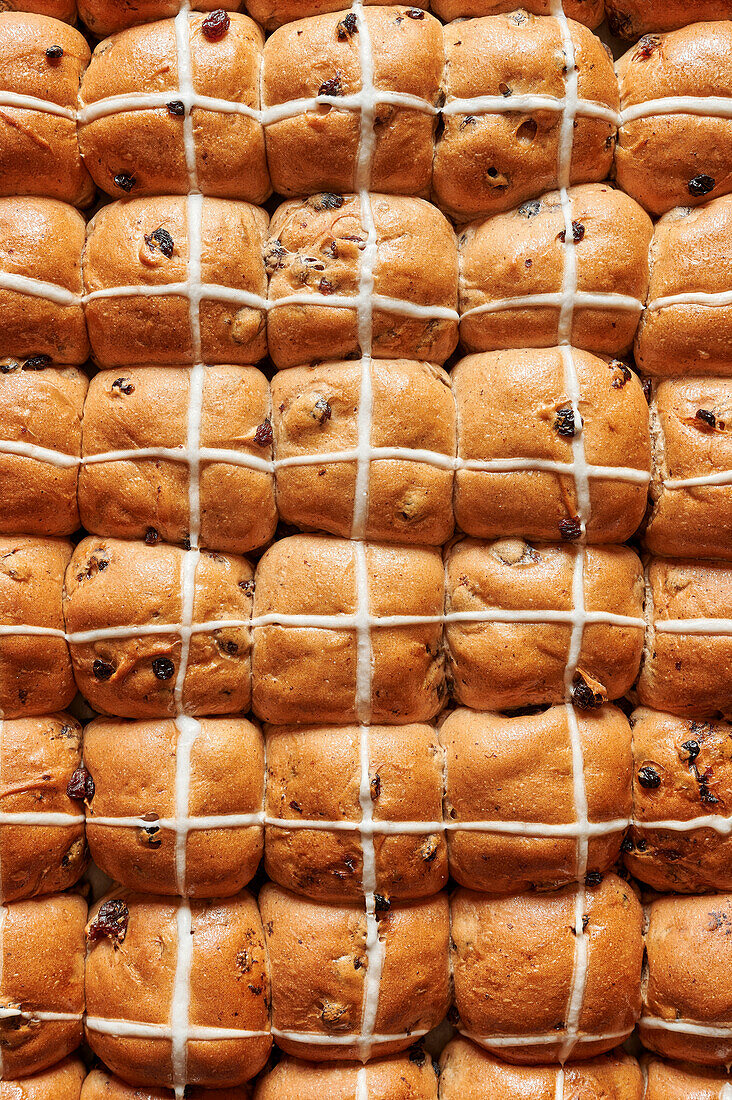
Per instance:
x=35, y=670
x=490, y=162
x=43, y=971
x=229, y=989
x=400, y=1077
x=499, y=665
x=689, y=254
x=149, y=144
x=149, y=497
x=682, y=770
x=505, y=769
x=529, y=415
x=62, y=1082
x=588, y=12
x=523, y=253
x=513, y=962
x=43, y=408
x=687, y=673
x=681, y=159
x=39, y=153
x=54, y=9
x=682, y=1081
x=468, y=1071
x=39, y=757
x=689, y=953
x=226, y=777
x=121, y=251
x=314, y=774
x=315, y=411
x=104, y=17
x=42, y=239
x=112, y=583
x=315, y=246
x=307, y=154
x=632, y=18
x=692, y=437
x=310, y=674
x=101, y=1085
x=320, y=964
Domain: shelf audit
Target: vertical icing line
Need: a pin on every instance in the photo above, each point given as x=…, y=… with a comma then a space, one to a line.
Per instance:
x=186, y=90
x=559, y=1086
x=362, y=1088
x=726, y=1093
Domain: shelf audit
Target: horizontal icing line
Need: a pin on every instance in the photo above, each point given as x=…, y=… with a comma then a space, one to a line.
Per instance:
x=503, y=105
x=40, y=454
x=724, y=477
x=33, y=103
x=582, y=299
x=31, y=818
x=709, y=821
x=209, y=292
x=367, y=828
x=145, y=101
x=711, y=106
x=8, y=1012
x=134, y=1029
x=515, y=465
x=703, y=1030
x=693, y=626
x=180, y=454
x=222, y=821
x=692, y=298
x=83, y=637
x=37, y=288
x=317, y=1038
x=543, y=1039
x=8, y=630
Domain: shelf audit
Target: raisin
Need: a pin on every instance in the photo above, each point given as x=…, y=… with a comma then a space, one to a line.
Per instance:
x=708, y=421
x=229, y=647
x=54, y=54
x=102, y=670
x=160, y=238
x=375, y=787
x=693, y=748
x=417, y=1055
x=37, y=362
x=701, y=185
x=110, y=922
x=621, y=374
x=327, y=201
x=649, y=778
x=530, y=209
x=592, y=878
x=151, y=537
x=415, y=13
x=125, y=181
x=247, y=587
x=564, y=421
x=646, y=46
x=150, y=836
x=322, y=410
x=381, y=903
x=163, y=668
x=326, y=287
x=627, y=845
x=647, y=389
x=264, y=435
x=176, y=107
x=469, y=120
x=347, y=27
x=578, y=232
x=81, y=785
x=583, y=695
x=332, y=86
x=123, y=385
x=570, y=529
x=216, y=25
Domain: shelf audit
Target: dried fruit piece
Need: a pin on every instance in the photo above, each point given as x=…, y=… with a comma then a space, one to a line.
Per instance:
x=125, y=181
x=102, y=670
x=570, y=529
x=161, y=239
x=216, y=25
x=163, y=668
x=81, y=785
x=54, y=54
x=264, y=435
x=701, y=185
x=176, y=107
x=649, y=778
x=110, y=922
x=564, y=423
x=587, y=694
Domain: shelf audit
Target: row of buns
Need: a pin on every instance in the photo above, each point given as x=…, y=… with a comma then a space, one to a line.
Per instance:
x=302, y=972
x=218, y=108
x=488, y=799
x=167, y=280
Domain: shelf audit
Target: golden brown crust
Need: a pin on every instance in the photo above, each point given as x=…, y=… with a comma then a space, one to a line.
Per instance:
x=681, y=159
x=149, y=144
x=692, y=438
x=39, y=153
x=229, y=989
x=53, y=9
x=313, y=774
x=62, y=1081
x=686, y=673
x=502, y=665
x=513, y=961
x=310, y=674
x=682, y=770
x=485, y=163
x=42, y=408
x=689, y=255
x=42, y=239
x=522, y=252
x=399, y=1077
x=148, y=407
x=315, y=411
x=320, y=56
x=43, y=971
x=467, y=1070
x=315, y=247
x=686, y=938
x=144, y=328
x=529, y=416
x=226, y=778
x=35, y=670
x=100, y=1085
x=519, y=769
x=112, y=583
x=319, y=966
x=682, y=1081
x=588, y=12
x=39, y=757
x=104, y=17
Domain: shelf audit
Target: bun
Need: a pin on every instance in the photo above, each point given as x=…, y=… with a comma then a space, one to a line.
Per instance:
x=632, y=18
x=104, y=17
x=400, y=1077
x=682, y=1081
x=62, y=1082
